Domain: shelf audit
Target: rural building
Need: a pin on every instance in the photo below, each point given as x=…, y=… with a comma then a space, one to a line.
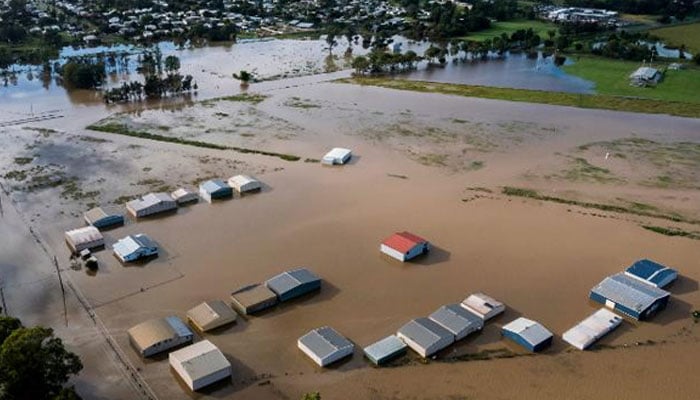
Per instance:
x=244, y=183
x=325, y=346
x=457, y=320
x=84, y=238
x=425, y=336
x=293, y=283
x=150, y=204
x=200, y=364
x=385, y=350
x=483, y=305
x=215, y=189
x=630, y=296
x=133, y=247
x=158, y=335
x=645, y=76
x=211, y=315
x=588, y=331
x=184, y=196
x=528, y=333
x=99, y=218
x=252, y=299
x=652, y=273
x=404, y=246
x=338, y=155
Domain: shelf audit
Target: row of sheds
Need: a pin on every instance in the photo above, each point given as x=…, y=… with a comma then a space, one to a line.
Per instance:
x=281, y=288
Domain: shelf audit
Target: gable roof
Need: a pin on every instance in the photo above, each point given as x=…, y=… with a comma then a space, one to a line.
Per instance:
x=629, y=292
x=651, y=272
x=403, y=241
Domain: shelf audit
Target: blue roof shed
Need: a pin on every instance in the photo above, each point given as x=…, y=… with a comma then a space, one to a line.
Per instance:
x=528, y=333
x=293, y=283
x=630, y=296
x=215, y=189
x=652, y=273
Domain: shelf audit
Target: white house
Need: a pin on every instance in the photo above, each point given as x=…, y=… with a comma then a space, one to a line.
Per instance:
x=200, y=364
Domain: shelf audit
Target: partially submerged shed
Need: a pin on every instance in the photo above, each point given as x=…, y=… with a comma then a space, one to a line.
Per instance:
x=588, y=331
x=404, y=246
x=99, y=218
x=151, y=204
x=528, y=333
x=211, y=315
x=184, y=196
x=87, y=237
x=134, y=247
x=293, y=283
x=200, y=364
x=457, y=320
x=425, y=336
x=215, y=189
x=252, y=299
x=337, y=155
x=244, y=183
x=483, y=305
x=325, y=346
x=652, y=273
x=385, y=350
x=160, y=334
x=630, y=296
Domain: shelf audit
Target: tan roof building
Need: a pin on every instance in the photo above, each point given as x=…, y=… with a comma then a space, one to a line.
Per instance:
x=252, y=299
x=200, y=364
x=210, y=315
x=84, y=238
x=160, y=334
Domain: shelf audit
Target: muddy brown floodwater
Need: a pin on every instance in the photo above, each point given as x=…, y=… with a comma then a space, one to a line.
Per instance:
x=431, y=164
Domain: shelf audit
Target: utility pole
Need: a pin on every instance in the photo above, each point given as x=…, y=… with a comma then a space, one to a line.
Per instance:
x=63, y=290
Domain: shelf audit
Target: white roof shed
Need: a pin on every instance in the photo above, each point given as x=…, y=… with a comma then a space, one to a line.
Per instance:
x=325, y=346
x=244, y=183
x=84, y=238
x=588, y=331
x=200, y=364
x=483, y=305
x=338, y=155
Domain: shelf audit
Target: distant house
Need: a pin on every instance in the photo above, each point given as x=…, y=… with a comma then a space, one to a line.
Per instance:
x=652, y=273
x=252, y=299
x=211, y=315
x=215, y=189
x=184, y=196
x=528, y=333
x=158, y=335
x=630, y=296
x=385, y=350
x=483, y=305
x=404, y=246
x=99, y=218
x=645, y=76
x=87, y=237
x=425, y=336
x=244, y=183
x=134, y=247
x=293, y=283
x=337, y=155
x=150, y=204
x=325, y=346
x=588, y=331
x=200, y=364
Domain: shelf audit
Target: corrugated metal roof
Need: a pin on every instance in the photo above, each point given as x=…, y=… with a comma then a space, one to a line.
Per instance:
x=592, y=328
x=200, y=359
x=425, y=332
x=338, y=153
x=644, y=73
x=652, y=272
x=240, y=180
x=253, y=295
x=325, y=341
x=531, y=331
x=132, y=243
x=456, y=319
x=150, y=200
x=629, y=292
x=289, y=280
x=403, y=241
x=214, y=185
x=83, y=235
x=150, y=332
x=386, y=347
x=483, y=305
x=210, y=314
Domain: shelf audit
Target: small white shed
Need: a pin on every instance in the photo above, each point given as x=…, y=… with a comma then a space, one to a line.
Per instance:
x=84, y=238
x=338, y=155
x=244, y=183
x=200, y=364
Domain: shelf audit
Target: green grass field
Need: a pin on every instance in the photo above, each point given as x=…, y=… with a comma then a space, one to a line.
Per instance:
x=509, y=27
x=611, y=78
x=689, y=35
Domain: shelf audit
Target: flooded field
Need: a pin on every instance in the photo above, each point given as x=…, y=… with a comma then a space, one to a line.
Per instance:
x=432, y=164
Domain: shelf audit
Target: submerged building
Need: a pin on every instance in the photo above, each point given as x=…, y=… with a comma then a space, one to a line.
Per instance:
x=385, y=350
x=200, y=364
x=457, y=320
x=337, y=155
x=293, y=283
x=151, y=204
x=99, y=218
x=652, y=273
x=184, y=196
x=325, y=346
x=528, y=333
x=87, y=237
x=158, y=335
x=134, y=247
x=630, y=296
x=425, y=336
x=588, y=331
x=211, y=315
x=244, y=183
x=215, y=189
x=483, y=305
x=404, y=246
x=252, y=299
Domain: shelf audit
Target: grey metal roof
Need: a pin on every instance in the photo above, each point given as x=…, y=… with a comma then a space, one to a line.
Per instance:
x=214, y=185
x=425, y=331
x=531, y=331
x=386, y=347
x=456, y=319
x=289, y=280
x=325, y=341
x=629, y=292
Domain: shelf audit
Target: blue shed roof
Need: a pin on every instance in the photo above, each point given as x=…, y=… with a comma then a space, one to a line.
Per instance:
x=215, y=185
x=652, y=272
x=385, y=348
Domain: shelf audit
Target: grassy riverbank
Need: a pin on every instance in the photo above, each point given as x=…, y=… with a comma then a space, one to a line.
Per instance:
x=597, y=101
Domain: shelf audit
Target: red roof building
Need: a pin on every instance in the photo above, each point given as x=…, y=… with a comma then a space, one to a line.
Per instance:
x=404, y=245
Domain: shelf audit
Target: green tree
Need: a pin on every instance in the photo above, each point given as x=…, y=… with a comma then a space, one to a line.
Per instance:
x=312, y=396
x=172, y=64
x=7, y=326
x=35, y=365
x=360, y=64
x=243, y=76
